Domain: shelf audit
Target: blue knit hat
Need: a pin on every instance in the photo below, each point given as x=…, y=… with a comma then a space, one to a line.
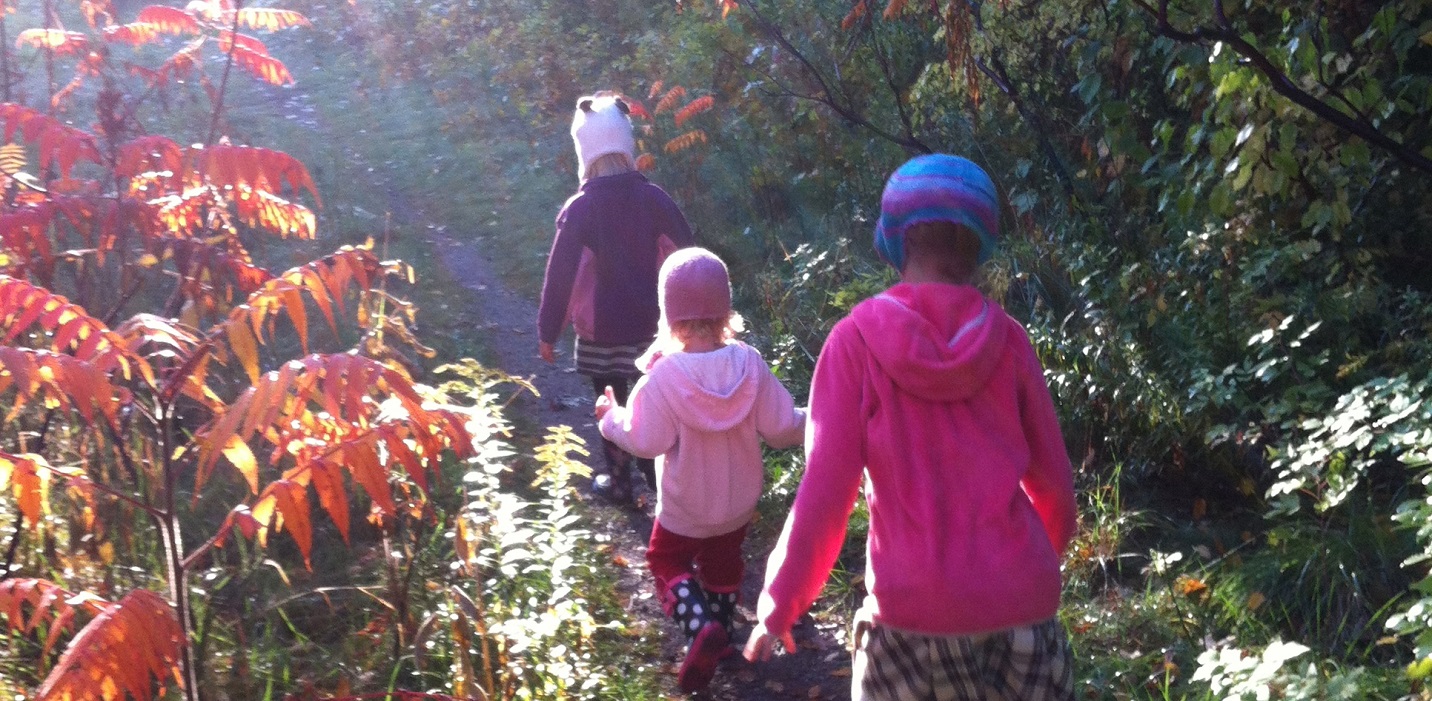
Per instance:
x=931, y=188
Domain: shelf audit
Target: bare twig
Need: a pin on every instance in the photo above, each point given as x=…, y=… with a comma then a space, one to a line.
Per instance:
x=994, y=69
x=827, y=94
x=224, y=79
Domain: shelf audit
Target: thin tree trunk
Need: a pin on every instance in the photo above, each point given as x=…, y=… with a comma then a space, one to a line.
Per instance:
x=174, y=555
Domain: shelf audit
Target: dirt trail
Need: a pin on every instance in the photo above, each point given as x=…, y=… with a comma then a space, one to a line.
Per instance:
x=507, y=327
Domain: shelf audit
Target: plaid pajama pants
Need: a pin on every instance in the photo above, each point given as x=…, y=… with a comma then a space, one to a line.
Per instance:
x=1028, y=663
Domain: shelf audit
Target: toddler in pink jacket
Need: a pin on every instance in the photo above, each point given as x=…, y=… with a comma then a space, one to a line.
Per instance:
x=932, y=396
x=702, y=410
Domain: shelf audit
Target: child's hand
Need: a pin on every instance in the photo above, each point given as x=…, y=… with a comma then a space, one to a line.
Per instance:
x=546, y=351
x=605, y=403
x=761, y=645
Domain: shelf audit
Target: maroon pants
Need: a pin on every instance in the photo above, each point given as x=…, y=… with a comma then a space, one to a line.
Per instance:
x=715, y=562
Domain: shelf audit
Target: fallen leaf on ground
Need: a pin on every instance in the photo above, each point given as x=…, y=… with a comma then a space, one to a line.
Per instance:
x=814, y=692
x=842, y=672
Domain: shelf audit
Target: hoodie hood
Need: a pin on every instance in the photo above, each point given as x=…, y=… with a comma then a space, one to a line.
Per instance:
x=935, y=341
x=711, y=391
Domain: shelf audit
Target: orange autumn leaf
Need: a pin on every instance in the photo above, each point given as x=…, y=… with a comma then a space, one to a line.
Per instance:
x=253, y=167
x=58, y=143
x=325, y=281
x=148, y=153
x=668, y=101
x=1189, y=586
x=70, y=328
x=261, y=65
x=170, y=20
x=244, y=344
x=134, y=33
x=58, y=41
x=181, y=65
x=57, y=381
x=29, y=484
x=328, y=415
x=856, y=13
x=49, y=604
x=125, y=649
x=238, y=454
x=695, y=107
x=270, y=19
x=188, y=213
x=685, y=141
x=262, y=210
x=228, y=39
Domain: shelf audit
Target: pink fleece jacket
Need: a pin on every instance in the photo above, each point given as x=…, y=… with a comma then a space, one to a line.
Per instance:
x=703, y=417
x=936, y=396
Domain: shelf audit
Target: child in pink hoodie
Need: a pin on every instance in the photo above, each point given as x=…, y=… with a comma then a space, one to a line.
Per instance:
x=702, y=410
x=933, y=397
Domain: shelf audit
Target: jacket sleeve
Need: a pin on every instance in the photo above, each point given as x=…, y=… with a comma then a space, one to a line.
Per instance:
x=835, y=463
x=645, y=426
x=778, y=420
x=677, y=228
x=1049, y=483
x=557, y=283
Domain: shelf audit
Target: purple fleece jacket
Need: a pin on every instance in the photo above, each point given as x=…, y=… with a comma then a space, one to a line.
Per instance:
x=620, y=218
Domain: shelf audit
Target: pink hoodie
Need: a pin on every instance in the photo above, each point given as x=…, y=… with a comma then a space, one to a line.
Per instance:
x=703, y=417
x=936, y=396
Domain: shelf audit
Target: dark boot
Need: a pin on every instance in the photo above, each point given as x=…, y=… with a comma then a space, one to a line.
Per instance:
x=723, y=607
x=648, y=470
x=723, y=611
x=706, y=638
x=617, y=485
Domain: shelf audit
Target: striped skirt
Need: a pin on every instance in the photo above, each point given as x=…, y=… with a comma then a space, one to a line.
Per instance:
x=598, y=360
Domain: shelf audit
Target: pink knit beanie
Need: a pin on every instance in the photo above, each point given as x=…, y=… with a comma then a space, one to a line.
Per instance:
x=694, y=284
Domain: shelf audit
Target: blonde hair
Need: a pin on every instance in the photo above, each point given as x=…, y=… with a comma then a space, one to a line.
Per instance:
x=674, y=337
x=950, y=248
x=614, y=163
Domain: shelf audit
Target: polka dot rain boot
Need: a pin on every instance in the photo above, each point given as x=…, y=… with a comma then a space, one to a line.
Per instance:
x=705, y=636
x=723, y=611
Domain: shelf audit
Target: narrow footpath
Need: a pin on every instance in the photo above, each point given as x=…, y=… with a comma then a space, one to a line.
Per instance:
x=820, y=670
x=506, y=326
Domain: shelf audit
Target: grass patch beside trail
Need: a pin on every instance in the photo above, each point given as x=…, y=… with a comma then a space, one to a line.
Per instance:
x=383, y=158
x=388, y=171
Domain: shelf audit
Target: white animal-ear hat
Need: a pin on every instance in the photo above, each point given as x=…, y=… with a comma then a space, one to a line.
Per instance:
x=599, y=127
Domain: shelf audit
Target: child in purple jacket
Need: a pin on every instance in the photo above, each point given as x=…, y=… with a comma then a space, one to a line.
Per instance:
x=933, y=398
x=601, y=273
